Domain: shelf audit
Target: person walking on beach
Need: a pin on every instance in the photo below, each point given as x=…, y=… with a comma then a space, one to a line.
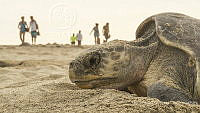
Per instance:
x=96, y=34
x=23, y=27
x=73, y=39
x=34, y=30
x=106, y=32
x=79, y=37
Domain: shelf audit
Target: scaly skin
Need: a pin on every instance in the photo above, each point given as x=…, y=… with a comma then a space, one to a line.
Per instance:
x=108, y=66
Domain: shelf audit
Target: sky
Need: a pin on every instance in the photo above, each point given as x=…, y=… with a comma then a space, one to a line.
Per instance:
x=59, y=19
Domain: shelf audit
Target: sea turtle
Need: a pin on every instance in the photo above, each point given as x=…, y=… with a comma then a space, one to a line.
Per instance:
x=163, y=62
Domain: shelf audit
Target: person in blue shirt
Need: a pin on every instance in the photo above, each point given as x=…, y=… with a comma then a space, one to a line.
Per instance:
x=23, y=27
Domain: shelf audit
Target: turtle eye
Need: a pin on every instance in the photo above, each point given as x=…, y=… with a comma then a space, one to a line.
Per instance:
x=94, y=60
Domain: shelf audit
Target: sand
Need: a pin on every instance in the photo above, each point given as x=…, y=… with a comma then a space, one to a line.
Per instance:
x=34, y=79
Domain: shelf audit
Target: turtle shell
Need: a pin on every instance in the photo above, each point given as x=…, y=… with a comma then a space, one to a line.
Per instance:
x=179, y=31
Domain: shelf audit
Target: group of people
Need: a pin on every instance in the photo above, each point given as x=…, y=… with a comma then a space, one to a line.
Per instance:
x=106, y=33
x=33, y=27
x=34, y=30
x=78, y=38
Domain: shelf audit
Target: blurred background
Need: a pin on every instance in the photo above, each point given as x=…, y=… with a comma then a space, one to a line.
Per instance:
x=58, y=19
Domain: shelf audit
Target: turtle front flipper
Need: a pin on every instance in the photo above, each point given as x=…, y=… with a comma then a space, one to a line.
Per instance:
x=166, y=93
x=169, y=76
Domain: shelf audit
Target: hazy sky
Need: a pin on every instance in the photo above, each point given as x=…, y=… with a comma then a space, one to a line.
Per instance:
x=58, y=19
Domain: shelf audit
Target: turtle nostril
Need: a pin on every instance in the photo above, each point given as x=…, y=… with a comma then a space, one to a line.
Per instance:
x=73, y=64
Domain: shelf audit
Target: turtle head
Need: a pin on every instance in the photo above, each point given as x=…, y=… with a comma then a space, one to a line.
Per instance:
x=108, y=65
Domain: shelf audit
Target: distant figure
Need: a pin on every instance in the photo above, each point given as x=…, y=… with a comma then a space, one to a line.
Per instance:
x=34, y=30
x=23, y=27
x=73, y=39
x=79, y=37
x=96, y=34
x=106, y=32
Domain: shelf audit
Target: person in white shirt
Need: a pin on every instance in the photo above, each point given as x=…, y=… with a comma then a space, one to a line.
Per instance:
x=79, y=37
x=33, y=27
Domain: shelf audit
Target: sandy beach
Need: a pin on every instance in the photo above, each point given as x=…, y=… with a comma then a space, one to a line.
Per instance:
x=34, y=79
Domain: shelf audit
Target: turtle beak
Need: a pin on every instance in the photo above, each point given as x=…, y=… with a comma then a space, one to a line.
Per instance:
x=74, y=71
x=84, y=68
x=79, y=73
x=72, y=76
